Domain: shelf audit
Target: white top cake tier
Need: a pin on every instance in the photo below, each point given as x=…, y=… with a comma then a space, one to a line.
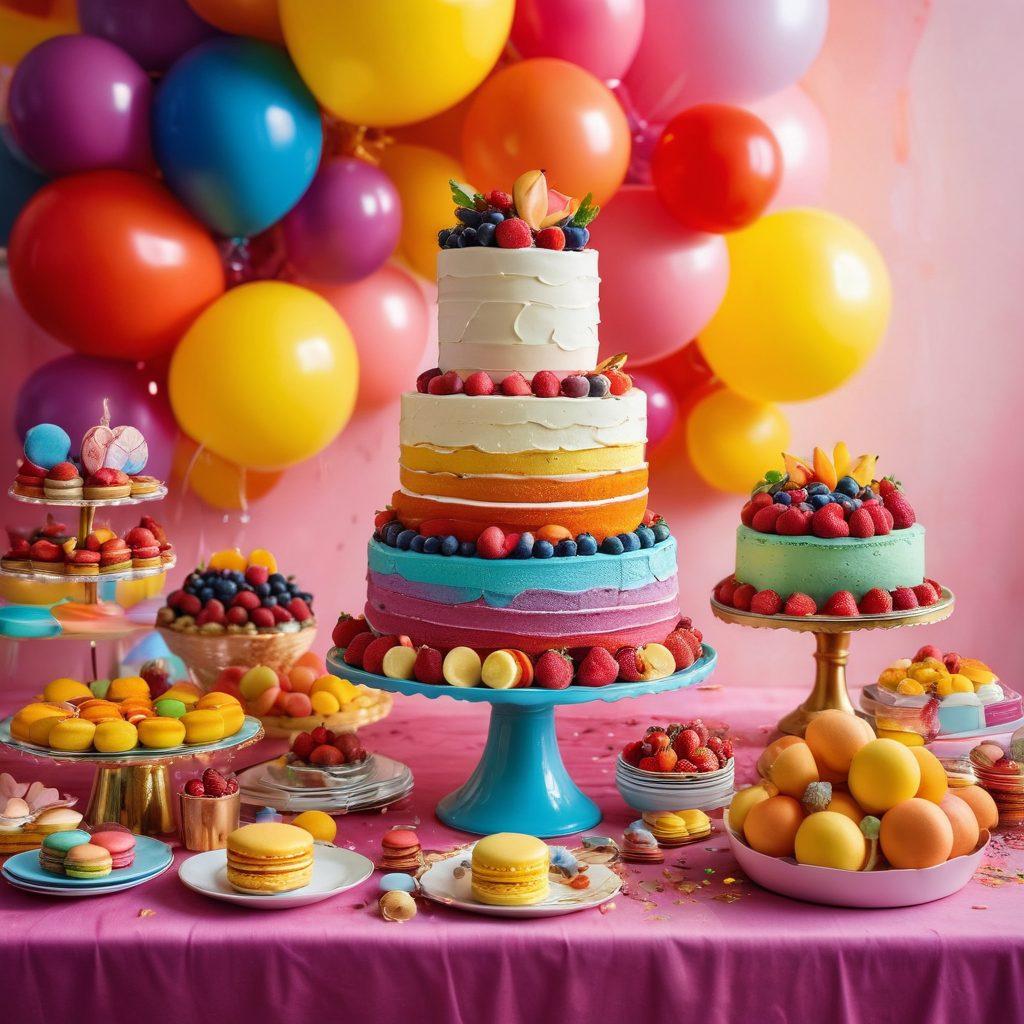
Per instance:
x=502, y=310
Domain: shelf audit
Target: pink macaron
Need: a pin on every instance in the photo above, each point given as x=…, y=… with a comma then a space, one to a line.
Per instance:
x=120, y=846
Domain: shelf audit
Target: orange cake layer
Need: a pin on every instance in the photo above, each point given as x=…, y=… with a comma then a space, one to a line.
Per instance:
x=549, y=490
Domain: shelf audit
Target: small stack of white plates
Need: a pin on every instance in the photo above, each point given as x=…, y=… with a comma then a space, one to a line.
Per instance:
x=379, y=782
x=671, y=791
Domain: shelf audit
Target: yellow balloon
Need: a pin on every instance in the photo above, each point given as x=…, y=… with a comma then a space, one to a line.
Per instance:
x=807, y=303
x=421, y=176
x=21, y=30
x=391, y=62
x=266, y=376
x=733, y=441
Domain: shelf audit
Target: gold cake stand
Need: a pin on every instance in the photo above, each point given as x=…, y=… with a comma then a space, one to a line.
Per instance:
x=832, y=635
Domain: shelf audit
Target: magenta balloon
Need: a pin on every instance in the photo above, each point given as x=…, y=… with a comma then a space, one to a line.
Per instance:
x=346, y=225
x=78, y=103
x=661, y=406
x=802, y=133
x=721, y=51
x=155, y=32
x=69, y=391
x=601, y=36
x=660, y=283
x=390, y=322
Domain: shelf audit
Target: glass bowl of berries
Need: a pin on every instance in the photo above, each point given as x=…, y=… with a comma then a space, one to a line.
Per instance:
x=208, y=810
x=323, y=759
x=678, y=766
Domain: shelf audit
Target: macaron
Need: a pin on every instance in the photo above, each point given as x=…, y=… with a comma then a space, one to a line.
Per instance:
x=318, y=824
x=66, y=689
x=56, y=819
x=230, y=710
x=170, y=707
x=24, y=717
x=268, y=857
x=127, y=686
x=159, y=733
x=55, y=847
x=119, y=844
x=203, y=725
x=46, y=444
x=97, y=710
x=88, y=861
x=115, y=737
x=72, y=735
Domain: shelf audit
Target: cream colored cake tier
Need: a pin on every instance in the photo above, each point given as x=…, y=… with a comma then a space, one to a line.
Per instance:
x=506, y=310
x=523, y=463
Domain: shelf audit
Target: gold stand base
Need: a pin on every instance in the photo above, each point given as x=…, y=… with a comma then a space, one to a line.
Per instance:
x=137, y=796
x=829, y=692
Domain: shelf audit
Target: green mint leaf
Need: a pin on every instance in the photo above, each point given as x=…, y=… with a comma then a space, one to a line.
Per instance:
x=587, y=211
x=461, y=196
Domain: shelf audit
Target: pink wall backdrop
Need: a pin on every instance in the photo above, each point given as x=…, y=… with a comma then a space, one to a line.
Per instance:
x=923, y=109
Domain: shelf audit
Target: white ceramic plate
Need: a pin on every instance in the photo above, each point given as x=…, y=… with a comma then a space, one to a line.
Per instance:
x=334, y=871
x=440, y=884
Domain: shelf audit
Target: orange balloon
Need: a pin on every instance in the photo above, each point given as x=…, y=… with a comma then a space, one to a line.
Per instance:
x=549, y=114
x=218, y=482
x=257, y=18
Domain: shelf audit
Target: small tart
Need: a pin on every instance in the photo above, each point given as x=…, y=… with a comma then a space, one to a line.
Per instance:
x=16, y=564
x=123, y=566
x=144, y=485
x=96, y=492
x=82, y=569
x=166, y=552
x=54, y=567
x=30, y=490
x=145, y=563
x=55, y=484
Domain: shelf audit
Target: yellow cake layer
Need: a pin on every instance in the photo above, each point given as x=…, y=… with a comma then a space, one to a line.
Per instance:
x=547, y=489
x=508, y=894
x=429, y=459
x=285, y=881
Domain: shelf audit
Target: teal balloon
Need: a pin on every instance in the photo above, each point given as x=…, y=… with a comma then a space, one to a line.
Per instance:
x=18, y=184
x=237, y=134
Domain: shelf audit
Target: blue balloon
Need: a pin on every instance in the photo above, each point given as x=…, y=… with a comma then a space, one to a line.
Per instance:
x=237, y=134
x=18, y=184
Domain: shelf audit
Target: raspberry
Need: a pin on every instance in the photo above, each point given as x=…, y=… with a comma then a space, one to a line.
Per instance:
x=765, y=518
x=875, y=602
x=861, y=523
x=424, y=379
x=665, y=760
x=553, y=671
x=491, y=543
x=630, y=666
x=742, y=596
x=904, y=599
x=546, y=384
x=828, y=522
x=356, y=648
x=449, y=383
x=194, y=787
x=373, y=656
x=281, y=614
x=926, y=594
x=551, y=238
x=686, y=742
x=800, y=604
x=427, y=666
x=632, y=753
x=842, y=602
x=232, y=787
x=479, y=383
x=302, y=746
x=704, y=760
x=501, y=201
x=515, y=385
x=681, y=650
x=766, y=602
x=300, y=611
x=513, y=233
x=598, y=668
x=214, y=783
x=620, y=381
x=236, y=615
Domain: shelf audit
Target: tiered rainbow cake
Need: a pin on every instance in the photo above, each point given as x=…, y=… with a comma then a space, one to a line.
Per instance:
x=826, y=536
x=521, y=524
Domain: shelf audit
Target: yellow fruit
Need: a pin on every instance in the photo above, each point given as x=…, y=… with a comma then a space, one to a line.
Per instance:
x=798, y=470
x=789, y=764
x=318, y=824
x=977, y=671
x=824, y=471
x=944, y=686
x=908, y=739
x=864, y=469
x=658, y=662
x=203, y=726
x=982, y=804
x=771, y=825
x=399, y=662
x=39, y=730
x=916, y=834
x=256, y=680
x=325, y=703
x=341, y=689
x=23, y=719
x=883, y=773
x=842, y=459
x=229, y=558
x=746, y=798
x=925, y=674
x=260, y=556
x=910, y=687
x=127, y=686
x=965, y=825
x=65, y=689
x=843, y=803
x=834, y=737
x=961, y=684
x=934, y=783
x=72, y=734
x=891, y=677
x=115, y=737
x=830, y=840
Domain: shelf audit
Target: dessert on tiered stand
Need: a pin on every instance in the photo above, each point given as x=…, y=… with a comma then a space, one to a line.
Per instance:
x=518, y=563
x=827, y=547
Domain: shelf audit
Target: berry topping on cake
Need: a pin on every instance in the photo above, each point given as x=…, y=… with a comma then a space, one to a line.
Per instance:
x=427, y=668
x=479, y=383
x=424, y=379
x=546, y=384
x=513, y=233
x=598, y=668
x=551, y=238
x=800, y=604
x=742, y=596
x=875, y=602
x=829, y=522
x=515, y=385
x=63, y=471
x=766, y=602
x=356, y=647
x=449, y=383
x=553, y=670
x=842, y=602
x=575, y=386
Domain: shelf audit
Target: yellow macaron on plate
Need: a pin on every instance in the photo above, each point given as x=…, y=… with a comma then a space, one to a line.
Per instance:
x=451, y=883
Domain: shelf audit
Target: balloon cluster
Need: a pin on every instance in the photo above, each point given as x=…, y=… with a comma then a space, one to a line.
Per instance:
x=217, y=187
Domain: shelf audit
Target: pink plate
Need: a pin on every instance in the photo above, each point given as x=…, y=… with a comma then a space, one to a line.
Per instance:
x=866, y=889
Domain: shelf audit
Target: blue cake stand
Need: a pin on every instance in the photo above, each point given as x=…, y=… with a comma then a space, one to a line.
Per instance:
x=520, y=783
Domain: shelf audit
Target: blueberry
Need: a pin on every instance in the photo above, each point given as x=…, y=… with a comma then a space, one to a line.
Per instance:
x=207, y=594
x=432, y=545
x=282, y=588
x=847, y=504
x=848, y=486
x=307, y=597
x=493, y=217
x=453, y=241
x=238, y=577
x=805, y=506
x=783, y=498
x=817, y=488
x=646, y=535
x=856, y=502
x=262, y=589
x=629, y=541
x=442, y=236
x=293, y=587
x=405, y=539
x=449, y=546
x=485, y=234
x=468, y=216
x=867, y=494
x=586, y=544
x=224, y=574
x=469, y=237
x=817, y=501
x=600, y=385
x=543, y=549
x=611, y=546
x=276, y=577
x=576, y=238
x=566, y=549
x=524, y=549
x=418, y=542
x=390, y=538
x=229, y=588
x=661, y=532
x=467, y=549
x=269, y=601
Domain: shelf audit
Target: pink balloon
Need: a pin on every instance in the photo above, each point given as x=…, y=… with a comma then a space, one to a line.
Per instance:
x=601, y=36
x=661, y=406
x=660, y=284
x=721, y=51
x=802, y=133
x=388, y=317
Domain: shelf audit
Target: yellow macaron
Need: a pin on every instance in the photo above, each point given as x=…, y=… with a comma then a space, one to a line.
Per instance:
x=39, y=730
x=269, y=857
x=185, y=692
x=203, y=725
x=72, y=735
x=510, y=870
x=30, y=713
x=159, y=733
x=115, y=737
x=231, y=711
x=66, y=689
x=128, y=686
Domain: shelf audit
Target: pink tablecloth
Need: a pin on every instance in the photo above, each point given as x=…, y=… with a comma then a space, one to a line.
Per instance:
x=681, y=945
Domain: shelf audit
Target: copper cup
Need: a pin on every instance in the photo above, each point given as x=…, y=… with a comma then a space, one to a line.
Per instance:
x=205, y=822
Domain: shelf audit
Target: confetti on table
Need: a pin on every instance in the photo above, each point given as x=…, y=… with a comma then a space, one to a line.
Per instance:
x=727, y=897
x=980, y=906
x=606, y=908
x=146, y=912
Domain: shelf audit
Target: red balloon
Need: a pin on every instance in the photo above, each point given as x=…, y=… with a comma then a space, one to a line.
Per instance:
x=716, y=167
x=112, y=265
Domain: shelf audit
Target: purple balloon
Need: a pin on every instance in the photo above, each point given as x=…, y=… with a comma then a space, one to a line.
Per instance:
x=346, y=225
x=661, y=406
x=69, y=391
x=155, y=32
x=78, y=103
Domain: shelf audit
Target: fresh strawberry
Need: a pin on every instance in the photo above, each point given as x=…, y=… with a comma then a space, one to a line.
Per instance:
x=648, y=764
x=725, y=590
x=952, y=661
x=479, y=383
x=842, y=602
x=232, y=787
x=925, y=594
x=553, y=670
x=257, y=575
x=714, y=744
x=513, y=233
x=424, y=379
x=620, y=381
x=356, y=647
x=345, y=628
x=657, y=739
x=881, y=518
x=686, y=742
x=551, y=238
x=510, y=543
x=261, y=618
x=299, y=610
x=248, y=600
x=373, y=656
x=766, y=602
x=449, y=383
x=685, y=765
x=766, y=516
x=794, y=522
x=326, y=755
x=902, y=512
x=886, y=486
x=875, y=602
x=632, y=753
x=320, y=735
x=828, y=522
x=727, y=749
x=692, y=638
x=935, y=584
x=427, y=668
x=515, y=385
x=904, y=599
x=546, y=384
x=704, y=760
x=861, y=523
x=302, y=746
x=681, y=650
x=698, y=726
x=598, y=668
x=630, y=666
x=500, y=201
x=491, y=543
x=281, y=614
x=665, y=760
x=742, y=596
x=747, y=514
